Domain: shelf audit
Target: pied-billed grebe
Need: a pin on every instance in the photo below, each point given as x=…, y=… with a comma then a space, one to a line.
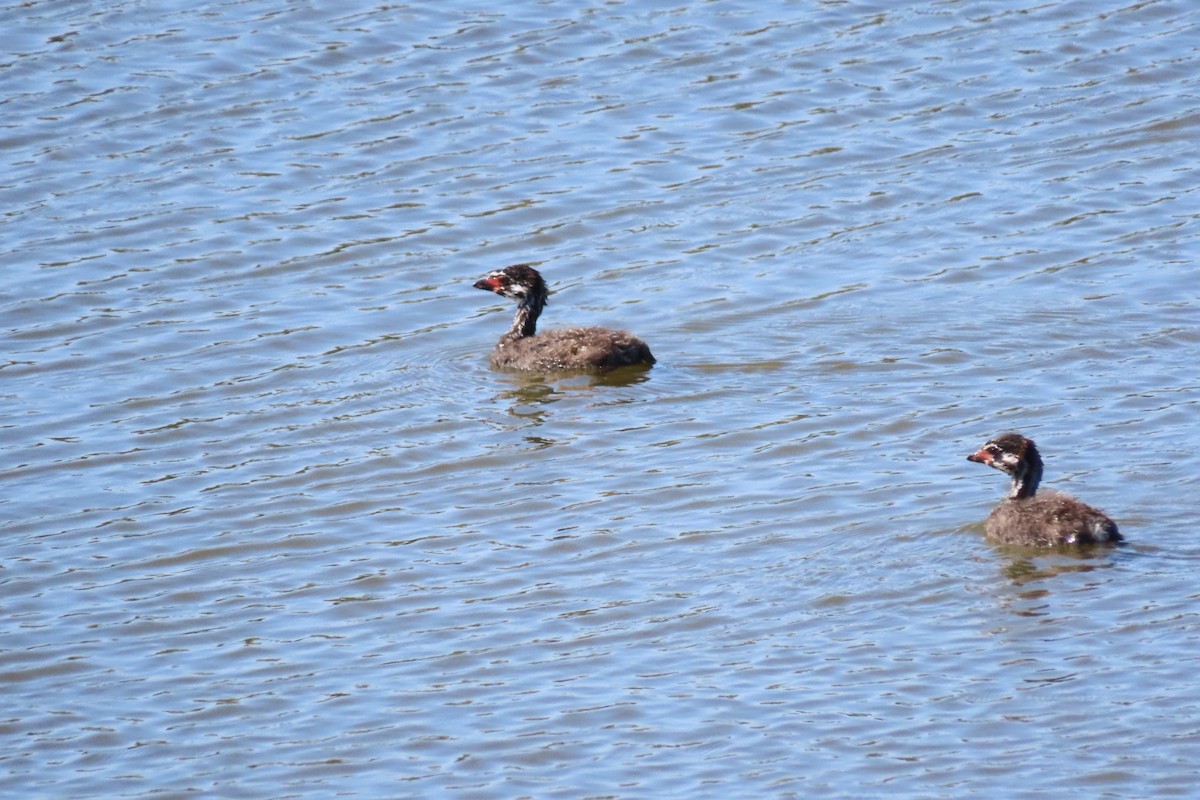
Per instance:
x=1028, y=518
x=592, y=349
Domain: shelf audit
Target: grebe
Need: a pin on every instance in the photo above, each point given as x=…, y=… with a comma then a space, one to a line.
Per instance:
x=522, y=348
x=1028, y=518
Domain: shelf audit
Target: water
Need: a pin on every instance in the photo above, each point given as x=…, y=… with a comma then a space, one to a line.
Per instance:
x=273, y=528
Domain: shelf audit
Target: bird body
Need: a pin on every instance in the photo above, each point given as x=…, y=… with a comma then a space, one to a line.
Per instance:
x=590, y=349
x=1028, y=518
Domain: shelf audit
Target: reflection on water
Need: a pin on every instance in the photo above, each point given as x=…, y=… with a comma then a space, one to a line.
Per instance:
x=1031, y=568
x=547, y=387
x=274, y=527
x=528, y=397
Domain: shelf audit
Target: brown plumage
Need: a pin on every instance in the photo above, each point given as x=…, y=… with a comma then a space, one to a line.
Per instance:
x=565, y=349
x=1028, y=518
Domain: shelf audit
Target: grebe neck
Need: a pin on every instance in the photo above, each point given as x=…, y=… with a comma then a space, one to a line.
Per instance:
x=1026, y=478
x=525, y=320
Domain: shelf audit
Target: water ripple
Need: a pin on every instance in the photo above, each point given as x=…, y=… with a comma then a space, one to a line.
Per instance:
x=273, y=525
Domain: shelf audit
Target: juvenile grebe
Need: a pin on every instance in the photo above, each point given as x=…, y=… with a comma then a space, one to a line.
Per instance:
x=1028, y=518
x=591, y=349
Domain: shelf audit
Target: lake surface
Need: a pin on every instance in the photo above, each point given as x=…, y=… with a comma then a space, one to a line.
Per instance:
x=272, y=527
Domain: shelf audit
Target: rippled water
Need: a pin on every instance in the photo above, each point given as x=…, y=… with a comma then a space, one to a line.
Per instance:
x=272, y=527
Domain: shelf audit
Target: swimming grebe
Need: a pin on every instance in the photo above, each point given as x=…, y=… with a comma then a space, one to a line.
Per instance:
x=1028, y=518
x=591, y=349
